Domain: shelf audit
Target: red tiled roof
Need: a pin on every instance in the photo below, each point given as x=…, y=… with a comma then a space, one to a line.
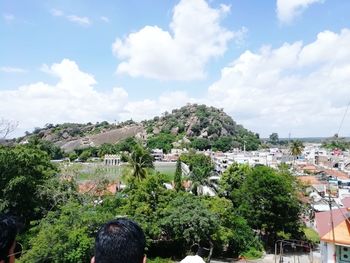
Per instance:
x=339, y=174
x=323, y=220
x=308, y=167
x=309, y=180
x=346, y=202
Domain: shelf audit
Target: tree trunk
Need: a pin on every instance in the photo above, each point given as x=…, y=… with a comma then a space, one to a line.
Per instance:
x=211, y=251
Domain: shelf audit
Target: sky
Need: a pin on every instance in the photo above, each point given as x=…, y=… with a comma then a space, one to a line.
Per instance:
x=274, y=65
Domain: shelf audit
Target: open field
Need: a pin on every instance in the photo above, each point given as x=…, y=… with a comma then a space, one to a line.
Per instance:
x=93, y=171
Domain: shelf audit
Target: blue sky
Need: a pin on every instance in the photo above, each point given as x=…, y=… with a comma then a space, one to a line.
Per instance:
x=146, y=57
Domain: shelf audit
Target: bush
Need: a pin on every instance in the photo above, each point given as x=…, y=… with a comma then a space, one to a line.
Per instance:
x=311, y=235
x=253, y=253
x=159, y=260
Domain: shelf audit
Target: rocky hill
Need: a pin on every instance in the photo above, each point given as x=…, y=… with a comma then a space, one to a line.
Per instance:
x=205, y=127
x=193, y=125
x=194, y=121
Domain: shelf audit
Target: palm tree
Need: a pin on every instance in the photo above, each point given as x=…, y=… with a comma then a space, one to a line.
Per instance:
x=140, y=159
x=296, y=148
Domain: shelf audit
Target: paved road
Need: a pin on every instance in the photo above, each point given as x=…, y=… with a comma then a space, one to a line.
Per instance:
x=291, y=258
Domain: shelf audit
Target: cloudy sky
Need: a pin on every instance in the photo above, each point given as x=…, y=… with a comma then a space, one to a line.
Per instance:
x=274, y=65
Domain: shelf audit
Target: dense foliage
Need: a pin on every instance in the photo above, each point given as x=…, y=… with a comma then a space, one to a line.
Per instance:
x=266, y=198
x=207, y=128
x=200, y=166
x=161, y=141
x=50, y=148
x=192, y=126
x=336, y=143
x=255, y=206
x=24, y=171
x=178, y=177
x=67, y=235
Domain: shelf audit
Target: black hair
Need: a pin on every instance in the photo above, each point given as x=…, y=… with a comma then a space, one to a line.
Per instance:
x=120, y=241
x=8, y=232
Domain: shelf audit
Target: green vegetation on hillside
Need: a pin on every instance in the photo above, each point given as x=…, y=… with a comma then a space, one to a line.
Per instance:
x=192, y=126
x=206, y=127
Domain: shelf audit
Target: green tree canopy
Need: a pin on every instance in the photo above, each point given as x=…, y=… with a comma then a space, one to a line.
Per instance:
x=233, y=232
x=178, y=177
x=186, y=219
x=23, y=171
x=269, y=202
x=224, y=144
x=232, y=180
x=273, y=138
x=67, y=236
x=161, y=141
x=50, y=148
x=200, y=165
x=200, y=144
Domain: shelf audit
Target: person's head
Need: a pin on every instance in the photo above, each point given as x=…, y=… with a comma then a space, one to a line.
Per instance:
x=8, y=232
x=120, y=241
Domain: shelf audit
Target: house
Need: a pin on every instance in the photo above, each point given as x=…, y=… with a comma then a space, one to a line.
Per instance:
x=157, y=154
x=335, y=240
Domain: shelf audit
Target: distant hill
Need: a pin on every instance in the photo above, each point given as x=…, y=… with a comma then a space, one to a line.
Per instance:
x=196, y=126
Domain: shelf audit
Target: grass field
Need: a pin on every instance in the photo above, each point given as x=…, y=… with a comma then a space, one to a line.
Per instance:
x=93, y=171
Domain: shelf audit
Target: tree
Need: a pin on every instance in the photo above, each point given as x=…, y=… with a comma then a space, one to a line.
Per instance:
x=250, y=139
x=126, y=145
x=296, y=148
x=23, y=171
x=54, y=151
x=233, y=231
x=85, y=155
x=161, y=141
x=6, y=127
x=232, y=180
x=66, y=235
x=269, y=202
x=274, y=138
x=144, y=202
x=200, y=166
x=178, y=177
x=200, y=144
x=223, y=144
x=186, y=219
x=140, y=159
x=72, y=156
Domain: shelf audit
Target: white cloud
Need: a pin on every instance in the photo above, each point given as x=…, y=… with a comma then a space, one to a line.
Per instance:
x=104, y=19
x=287, y=10
x=8, y=18
x=195, y=37
x=299, y=88
x=148, y=108
x=12, y=70
x=81, y=20
x=72, y=99
x=56, y=12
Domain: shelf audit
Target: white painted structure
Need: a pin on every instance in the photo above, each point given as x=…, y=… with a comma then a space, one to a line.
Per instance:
x=112, y=160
